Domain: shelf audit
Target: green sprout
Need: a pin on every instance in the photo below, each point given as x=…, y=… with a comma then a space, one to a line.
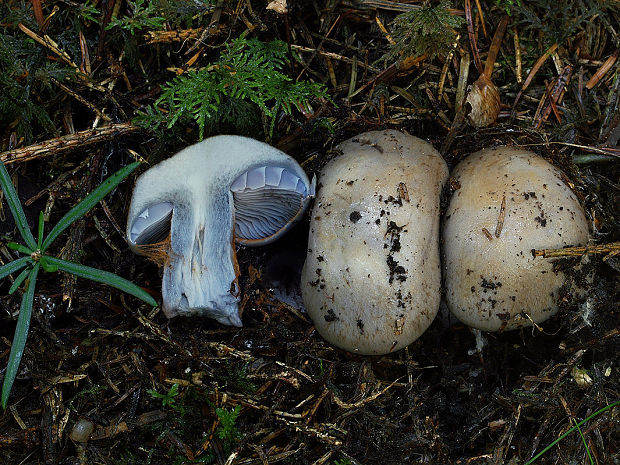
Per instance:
x=35, y=259
x=227, y=430
x=144, y=16
x=507, y=4
x=168, y=399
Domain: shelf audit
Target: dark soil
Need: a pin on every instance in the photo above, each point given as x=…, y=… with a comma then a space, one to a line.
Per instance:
x=97, y=357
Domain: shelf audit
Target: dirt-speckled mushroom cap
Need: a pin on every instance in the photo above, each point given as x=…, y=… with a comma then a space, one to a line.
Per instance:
x=371, y=281
x=508, y=202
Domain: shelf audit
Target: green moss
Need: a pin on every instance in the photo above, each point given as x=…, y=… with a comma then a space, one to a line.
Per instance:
x=430, y=30
x=247, y=80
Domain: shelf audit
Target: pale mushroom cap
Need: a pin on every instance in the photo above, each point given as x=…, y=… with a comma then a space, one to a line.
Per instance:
x=371, y=281
x=222, y=189
x=495, y=283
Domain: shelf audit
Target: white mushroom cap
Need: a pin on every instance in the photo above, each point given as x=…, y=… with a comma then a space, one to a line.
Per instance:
x=223, y=188
x=371, y=281
x=492, y=280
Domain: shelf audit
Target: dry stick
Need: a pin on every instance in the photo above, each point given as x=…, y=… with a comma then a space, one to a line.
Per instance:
x=554, y=96
x=459, y=117
x=388, y=5
x=612, y=249
x=48, y=43
x=480, y=15
x=334, y=56
x=611, y=151
x=164, y=37
x=85, y=66
x=68, y=142
x=81, y=99
x=472, y=37
x=518, y=63
x=496, y=43
x=531, y=75
x=318, y=47
x=499, y=455
x=501, y=218
x=38, y=12
x=602, y=71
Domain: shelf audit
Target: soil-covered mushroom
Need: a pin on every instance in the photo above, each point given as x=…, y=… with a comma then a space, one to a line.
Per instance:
x=371, y=281
x=508, y=201
x=187, y=211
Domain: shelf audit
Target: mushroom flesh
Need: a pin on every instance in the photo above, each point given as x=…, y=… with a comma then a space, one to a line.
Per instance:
x=508, y=201
x=371, y=281
x=187, y=211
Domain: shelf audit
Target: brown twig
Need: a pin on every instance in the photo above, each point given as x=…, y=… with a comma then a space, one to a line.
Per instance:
x=501, y=217
x=602, y=71
x=612, y=249
x=334, y=56
x=531, y=75
x=553, y=97
x=496, y=43
x=38, y=12
x=81, y=99
x=472, y=37
x=47, y=42
x=67, y=143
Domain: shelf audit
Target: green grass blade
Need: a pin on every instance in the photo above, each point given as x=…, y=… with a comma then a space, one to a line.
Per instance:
x=21, y=334
x=87, y=203
x=101, y=276
x=583, y=439
x=41, y=228
x=16, y=207
x=594, y=415
x=14, y=266
x=19, y=280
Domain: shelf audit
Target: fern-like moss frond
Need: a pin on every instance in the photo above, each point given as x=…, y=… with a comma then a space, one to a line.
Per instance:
x=248, y=70
x=428, y=30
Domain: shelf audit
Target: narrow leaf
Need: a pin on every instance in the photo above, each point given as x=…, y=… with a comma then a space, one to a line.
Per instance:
x=16, y=207
x=101, y=276
x=41, y=228
x=19, y=280
x=21, y=334
x=14, y=266
x=87, y=203
x=19, y=248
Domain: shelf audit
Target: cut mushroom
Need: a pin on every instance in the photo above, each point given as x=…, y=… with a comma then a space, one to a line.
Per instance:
x=508, y=202
x=371, y=281
x=187, y=211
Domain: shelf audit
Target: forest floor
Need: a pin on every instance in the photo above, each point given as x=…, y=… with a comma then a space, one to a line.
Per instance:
x=76, y=75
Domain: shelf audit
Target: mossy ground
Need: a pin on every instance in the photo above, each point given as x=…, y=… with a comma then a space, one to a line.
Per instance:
x=298, y=399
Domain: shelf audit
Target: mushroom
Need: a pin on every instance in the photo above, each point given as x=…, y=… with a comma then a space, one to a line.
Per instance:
x=508, y=201
x=187, y=211
x=371, y=280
